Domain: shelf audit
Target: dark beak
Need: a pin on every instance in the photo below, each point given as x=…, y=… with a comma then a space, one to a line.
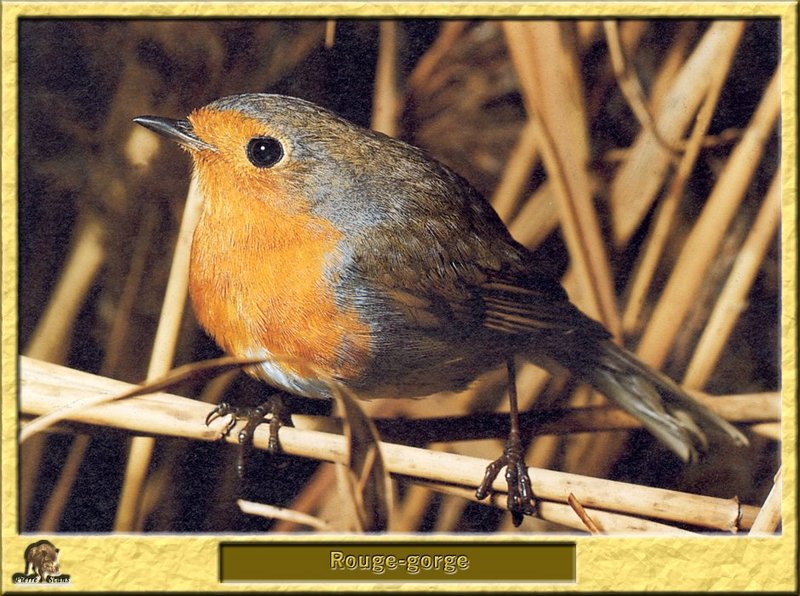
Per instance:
x=179, y=131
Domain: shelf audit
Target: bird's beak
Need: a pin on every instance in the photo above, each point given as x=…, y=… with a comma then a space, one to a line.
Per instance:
x=180, y=131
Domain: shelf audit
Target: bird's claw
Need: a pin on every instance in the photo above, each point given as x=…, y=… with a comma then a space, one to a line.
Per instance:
x=220, y=411
x=278, y=416
x=521, y=500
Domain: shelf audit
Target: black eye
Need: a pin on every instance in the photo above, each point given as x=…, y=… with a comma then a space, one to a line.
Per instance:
x=264, y=152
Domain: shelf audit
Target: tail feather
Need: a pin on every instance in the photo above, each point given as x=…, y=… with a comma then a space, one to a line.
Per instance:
x=666, y=410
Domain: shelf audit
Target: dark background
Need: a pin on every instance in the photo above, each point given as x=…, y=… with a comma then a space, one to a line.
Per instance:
x=81, y=82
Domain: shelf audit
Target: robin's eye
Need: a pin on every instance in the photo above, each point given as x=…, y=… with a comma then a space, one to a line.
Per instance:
x=264, y=152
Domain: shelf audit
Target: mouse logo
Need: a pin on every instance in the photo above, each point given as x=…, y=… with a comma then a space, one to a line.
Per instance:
x=41, y=565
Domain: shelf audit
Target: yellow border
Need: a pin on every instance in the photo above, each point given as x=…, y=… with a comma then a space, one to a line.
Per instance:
x=133, y=562
x=399, y=9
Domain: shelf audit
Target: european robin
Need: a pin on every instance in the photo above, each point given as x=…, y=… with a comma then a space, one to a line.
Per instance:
x=345, y=257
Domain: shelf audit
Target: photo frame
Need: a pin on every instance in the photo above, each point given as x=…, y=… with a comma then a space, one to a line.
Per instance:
x=93, y=557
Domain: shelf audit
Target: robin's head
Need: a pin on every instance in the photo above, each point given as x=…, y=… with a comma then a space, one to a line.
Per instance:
x=295, y=156
x=273, y=147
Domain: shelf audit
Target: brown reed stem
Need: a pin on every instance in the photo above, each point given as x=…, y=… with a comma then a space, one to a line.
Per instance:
x=60, y=496
x=582, y=514
x=119, y=328
x=315, y=491
x=733, y=298
x=638, y=181
x=141, y=448
x=386, y=98
x=450, y=32
x=669, y=206
x=703, y=242
x=537, y=218
x=283, y=514
x=115, y=344
x=770, y=430
x=46, y=387
x=330, y=33
x=505, y=197
x=51, y=337
x=551, y=92
x=629, y=83
x=769, y=516
x=564, y=515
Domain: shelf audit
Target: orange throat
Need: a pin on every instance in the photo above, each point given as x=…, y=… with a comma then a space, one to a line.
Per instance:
x=261, y=284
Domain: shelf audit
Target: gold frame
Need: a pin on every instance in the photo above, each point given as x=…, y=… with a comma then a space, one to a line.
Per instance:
x=190, y=563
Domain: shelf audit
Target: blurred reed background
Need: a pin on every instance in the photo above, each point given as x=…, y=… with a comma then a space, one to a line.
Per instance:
x=638, y=159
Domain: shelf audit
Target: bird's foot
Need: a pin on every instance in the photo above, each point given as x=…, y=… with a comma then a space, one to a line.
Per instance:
x=521, y=500
x=273, y=409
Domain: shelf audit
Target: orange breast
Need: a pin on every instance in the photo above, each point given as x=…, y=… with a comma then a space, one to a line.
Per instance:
x=260, y=281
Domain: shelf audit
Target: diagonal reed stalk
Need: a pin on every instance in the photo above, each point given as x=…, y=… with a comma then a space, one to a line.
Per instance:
x=718, y=45
x=668, y=208
x=52, y=334
x=386, y=98
x=733, y=297
x=641, y=176
x=141, y=448
x=769, y=516
x=704, y=240
x=550, y=85
x=684, y=90
x=59, y=497
x=46, y=387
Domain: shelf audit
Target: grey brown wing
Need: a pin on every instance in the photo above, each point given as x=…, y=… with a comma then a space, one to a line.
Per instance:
x=532, y=303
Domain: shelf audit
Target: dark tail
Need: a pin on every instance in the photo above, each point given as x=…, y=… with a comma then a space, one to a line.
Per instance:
x=666, y=410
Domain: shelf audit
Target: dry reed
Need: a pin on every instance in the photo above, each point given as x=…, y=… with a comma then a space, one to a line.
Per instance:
x=48, y=387
x=538, y=164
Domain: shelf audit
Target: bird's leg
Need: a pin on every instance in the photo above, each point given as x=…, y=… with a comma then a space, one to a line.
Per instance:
x=273, y=406
x=520, y=493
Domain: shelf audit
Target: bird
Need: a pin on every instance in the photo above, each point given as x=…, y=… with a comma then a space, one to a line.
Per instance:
x=345, y=259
